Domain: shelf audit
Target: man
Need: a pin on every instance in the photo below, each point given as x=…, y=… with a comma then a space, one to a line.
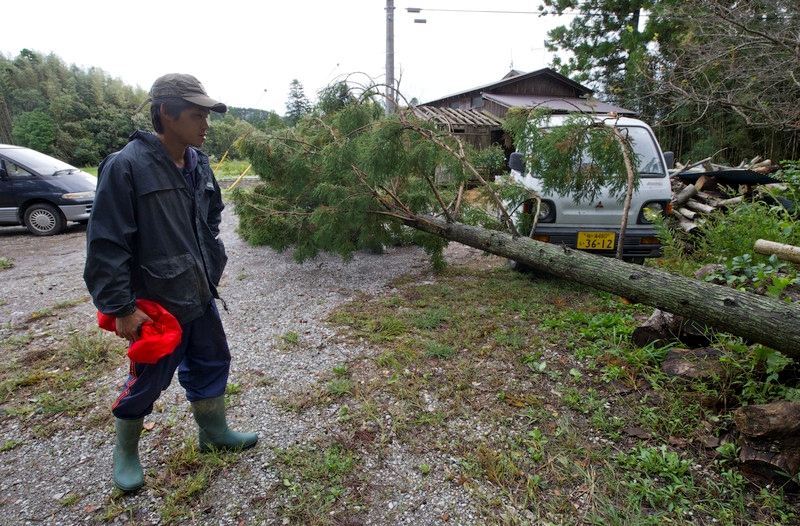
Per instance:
x=153, y=235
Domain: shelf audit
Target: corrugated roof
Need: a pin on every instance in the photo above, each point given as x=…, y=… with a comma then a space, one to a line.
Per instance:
x=454, y=117
x=510, y=80
x=559, y=104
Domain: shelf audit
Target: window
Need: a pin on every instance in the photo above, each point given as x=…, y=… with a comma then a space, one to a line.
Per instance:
x=14, y=170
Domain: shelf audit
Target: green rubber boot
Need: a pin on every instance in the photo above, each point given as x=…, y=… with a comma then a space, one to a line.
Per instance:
x=214, y=430
x=128, y=474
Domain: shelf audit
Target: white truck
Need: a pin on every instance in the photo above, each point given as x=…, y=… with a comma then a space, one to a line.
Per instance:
x=594, y=225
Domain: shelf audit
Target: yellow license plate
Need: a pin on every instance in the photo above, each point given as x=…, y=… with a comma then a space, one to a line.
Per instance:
x=596, y=240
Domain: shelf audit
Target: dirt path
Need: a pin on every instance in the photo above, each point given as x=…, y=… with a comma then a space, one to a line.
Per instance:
x=55, y=466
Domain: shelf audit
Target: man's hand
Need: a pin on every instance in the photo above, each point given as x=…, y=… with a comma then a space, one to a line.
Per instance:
x=128, y=326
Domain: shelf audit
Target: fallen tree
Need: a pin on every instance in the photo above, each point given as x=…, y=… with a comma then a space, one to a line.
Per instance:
x=351, y=179
x=756, y=318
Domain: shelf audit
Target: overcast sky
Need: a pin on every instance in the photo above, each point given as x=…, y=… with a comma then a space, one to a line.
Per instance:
x=246, y=53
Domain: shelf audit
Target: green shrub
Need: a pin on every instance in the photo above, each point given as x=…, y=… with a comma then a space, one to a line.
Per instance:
x=730, y=235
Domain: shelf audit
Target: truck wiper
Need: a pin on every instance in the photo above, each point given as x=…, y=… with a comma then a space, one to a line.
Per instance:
x=65, y=171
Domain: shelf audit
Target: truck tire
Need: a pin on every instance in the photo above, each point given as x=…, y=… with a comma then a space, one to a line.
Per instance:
x=42, y=219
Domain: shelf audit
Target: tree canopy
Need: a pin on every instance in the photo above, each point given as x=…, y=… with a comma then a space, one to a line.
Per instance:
x=77, y=115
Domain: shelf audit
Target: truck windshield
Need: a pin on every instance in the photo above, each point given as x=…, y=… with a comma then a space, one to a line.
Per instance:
x=646, y=151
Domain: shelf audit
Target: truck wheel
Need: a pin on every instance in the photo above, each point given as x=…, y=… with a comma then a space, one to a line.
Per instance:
x=42, y=219
x=634, y=260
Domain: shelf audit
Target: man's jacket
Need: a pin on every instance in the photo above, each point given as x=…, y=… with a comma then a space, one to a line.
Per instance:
x=151, y=234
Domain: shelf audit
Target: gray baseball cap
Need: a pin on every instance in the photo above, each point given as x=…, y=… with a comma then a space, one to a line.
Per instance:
x=185, y=87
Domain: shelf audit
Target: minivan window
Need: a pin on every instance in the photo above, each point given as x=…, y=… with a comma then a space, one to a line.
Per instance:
x=14, y=170
x=38, y=162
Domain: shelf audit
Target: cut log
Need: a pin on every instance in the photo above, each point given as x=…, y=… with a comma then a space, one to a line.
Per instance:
x=770, y=438
x=732, y=201
x=685, y=224
x=776, y=420
x=697, y=206
x=701, y=182
x=761, y=165
x=684, y=195
x=756, y=318
x=693, y=165
x=783, y=251
x=693, y=364
x=664, y=326
x=688, y=214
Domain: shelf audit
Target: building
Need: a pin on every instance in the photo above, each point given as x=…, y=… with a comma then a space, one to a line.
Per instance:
x=476, y=114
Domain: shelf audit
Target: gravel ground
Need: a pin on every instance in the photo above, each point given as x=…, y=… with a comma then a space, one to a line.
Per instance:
x=268, y=295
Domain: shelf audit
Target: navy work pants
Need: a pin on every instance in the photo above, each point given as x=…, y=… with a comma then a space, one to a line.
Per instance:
x=202, y=359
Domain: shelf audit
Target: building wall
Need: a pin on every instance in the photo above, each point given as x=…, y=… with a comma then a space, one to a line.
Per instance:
x=544, y=86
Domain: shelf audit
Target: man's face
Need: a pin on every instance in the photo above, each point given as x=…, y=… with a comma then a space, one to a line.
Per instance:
x=189, y=128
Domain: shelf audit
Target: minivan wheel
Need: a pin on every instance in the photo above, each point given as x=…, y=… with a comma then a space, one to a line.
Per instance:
x=42, y=219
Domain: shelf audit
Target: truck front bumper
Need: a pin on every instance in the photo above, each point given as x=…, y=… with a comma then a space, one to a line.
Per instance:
x=641, y=241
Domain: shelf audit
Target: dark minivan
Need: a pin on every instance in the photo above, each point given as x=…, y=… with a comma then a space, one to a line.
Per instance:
x=41, y=192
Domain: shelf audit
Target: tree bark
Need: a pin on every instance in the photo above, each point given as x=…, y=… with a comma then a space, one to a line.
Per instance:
x=757, y=318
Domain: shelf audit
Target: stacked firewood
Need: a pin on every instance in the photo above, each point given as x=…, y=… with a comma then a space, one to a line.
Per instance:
x=692, y=201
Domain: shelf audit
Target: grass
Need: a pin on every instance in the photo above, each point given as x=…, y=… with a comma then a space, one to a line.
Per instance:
x=6, y=263
x=185, y=477
x=53, y=381
x=548, y=367
x=318, y=484
x=228, y=169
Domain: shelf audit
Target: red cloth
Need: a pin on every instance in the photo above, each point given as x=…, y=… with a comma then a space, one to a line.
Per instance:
x=157, y=338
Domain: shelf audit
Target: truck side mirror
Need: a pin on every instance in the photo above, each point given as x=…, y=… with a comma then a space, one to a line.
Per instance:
x=517, y=162
x=669, y=157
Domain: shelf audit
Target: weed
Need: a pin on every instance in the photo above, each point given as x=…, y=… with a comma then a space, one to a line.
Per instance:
x=70, y=499
x=233, y=388
x=431, y=318
x=66, y=304
x=8, y=445
x=39, y=314
x=185, y=476
x=425, y=469
x=6, y=263
x=340, y=370
x=442, y=351
x=316, y=482
x=339, y=387
x=290, y=338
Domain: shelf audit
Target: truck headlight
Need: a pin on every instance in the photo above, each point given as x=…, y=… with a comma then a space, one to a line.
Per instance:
x=652, y=210
x=547, y=212
x=78, y=196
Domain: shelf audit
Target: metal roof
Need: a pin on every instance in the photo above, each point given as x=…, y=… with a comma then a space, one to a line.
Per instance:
x=454, y=117
x=559, y=104
x=524, y=76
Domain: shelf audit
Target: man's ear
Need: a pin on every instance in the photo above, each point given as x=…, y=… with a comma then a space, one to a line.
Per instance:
x=162, y=111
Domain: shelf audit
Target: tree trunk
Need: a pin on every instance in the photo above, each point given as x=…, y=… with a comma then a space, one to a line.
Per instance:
x=757, y=318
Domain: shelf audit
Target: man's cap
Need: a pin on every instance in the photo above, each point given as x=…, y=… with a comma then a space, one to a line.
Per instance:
x=186, y=87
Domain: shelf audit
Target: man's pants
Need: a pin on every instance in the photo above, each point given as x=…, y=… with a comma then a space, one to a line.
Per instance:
x=202, y=359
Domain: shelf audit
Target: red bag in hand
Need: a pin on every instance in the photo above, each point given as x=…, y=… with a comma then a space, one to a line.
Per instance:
x=156, y=339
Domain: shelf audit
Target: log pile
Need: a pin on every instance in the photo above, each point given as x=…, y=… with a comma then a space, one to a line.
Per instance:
x=692, y=202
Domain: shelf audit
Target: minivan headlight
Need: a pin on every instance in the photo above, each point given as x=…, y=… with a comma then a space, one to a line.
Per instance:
x=78, y=196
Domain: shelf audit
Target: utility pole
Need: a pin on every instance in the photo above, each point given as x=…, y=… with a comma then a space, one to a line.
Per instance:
x=391, y=103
